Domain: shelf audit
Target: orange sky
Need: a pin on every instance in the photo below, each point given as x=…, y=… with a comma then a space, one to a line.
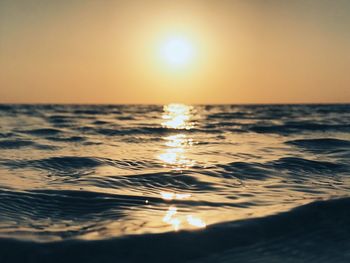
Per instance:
x=108, y=51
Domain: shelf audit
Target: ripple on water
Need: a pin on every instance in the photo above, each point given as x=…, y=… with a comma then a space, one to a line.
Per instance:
x=114, y=174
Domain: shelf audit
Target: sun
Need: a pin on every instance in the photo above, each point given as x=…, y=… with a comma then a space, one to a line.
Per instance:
x=177, y=51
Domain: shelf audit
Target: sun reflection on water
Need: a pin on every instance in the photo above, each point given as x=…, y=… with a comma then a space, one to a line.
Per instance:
x=175, y=155
x=175, y=220
x=172, y=196
x=195, y=221
x=171, y=219
x=179, y=117
x=178, y=140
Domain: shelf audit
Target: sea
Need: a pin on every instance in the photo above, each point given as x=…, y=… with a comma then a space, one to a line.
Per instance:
x=174, y=183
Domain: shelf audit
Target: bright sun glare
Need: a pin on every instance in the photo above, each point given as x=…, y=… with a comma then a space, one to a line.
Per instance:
x=177, y=51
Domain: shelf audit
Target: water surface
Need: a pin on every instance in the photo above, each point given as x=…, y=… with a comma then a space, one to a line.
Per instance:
x=254, y=183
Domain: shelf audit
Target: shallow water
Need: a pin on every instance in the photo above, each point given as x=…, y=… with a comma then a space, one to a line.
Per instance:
x=259, y=183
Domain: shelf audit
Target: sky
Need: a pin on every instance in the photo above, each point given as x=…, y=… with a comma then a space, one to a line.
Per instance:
x=158, y=52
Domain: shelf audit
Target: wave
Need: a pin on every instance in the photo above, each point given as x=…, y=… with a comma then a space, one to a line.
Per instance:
x=220, y=126
x=61, y=204
x=67, y=139
x=295, y=164
x=17, y=144
x=57, y=119
x=316, y=232
x=321, y=144
x=6, y=135
x=43, y=131
x=4, y=107
x=292, y=165
x=61, y=214
x=77, y=165
x=294, y=127
x=246, y=171
x=140, y=131
x=153, y=182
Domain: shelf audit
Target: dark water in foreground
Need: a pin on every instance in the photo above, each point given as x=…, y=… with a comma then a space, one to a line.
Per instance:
x=175, y=183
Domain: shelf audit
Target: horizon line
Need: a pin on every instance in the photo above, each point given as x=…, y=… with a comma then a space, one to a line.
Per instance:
x=161, y=104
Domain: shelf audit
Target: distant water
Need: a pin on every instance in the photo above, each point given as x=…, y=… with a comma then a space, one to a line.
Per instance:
x=175, y=183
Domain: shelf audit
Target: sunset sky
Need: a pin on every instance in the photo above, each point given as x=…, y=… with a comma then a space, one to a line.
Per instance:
x=250, y=51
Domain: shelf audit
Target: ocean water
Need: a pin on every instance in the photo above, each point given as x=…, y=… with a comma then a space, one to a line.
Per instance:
x=174, y=183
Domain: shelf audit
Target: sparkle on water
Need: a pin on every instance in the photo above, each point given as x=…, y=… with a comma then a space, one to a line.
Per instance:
x=178, y=116
x=157, y=169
